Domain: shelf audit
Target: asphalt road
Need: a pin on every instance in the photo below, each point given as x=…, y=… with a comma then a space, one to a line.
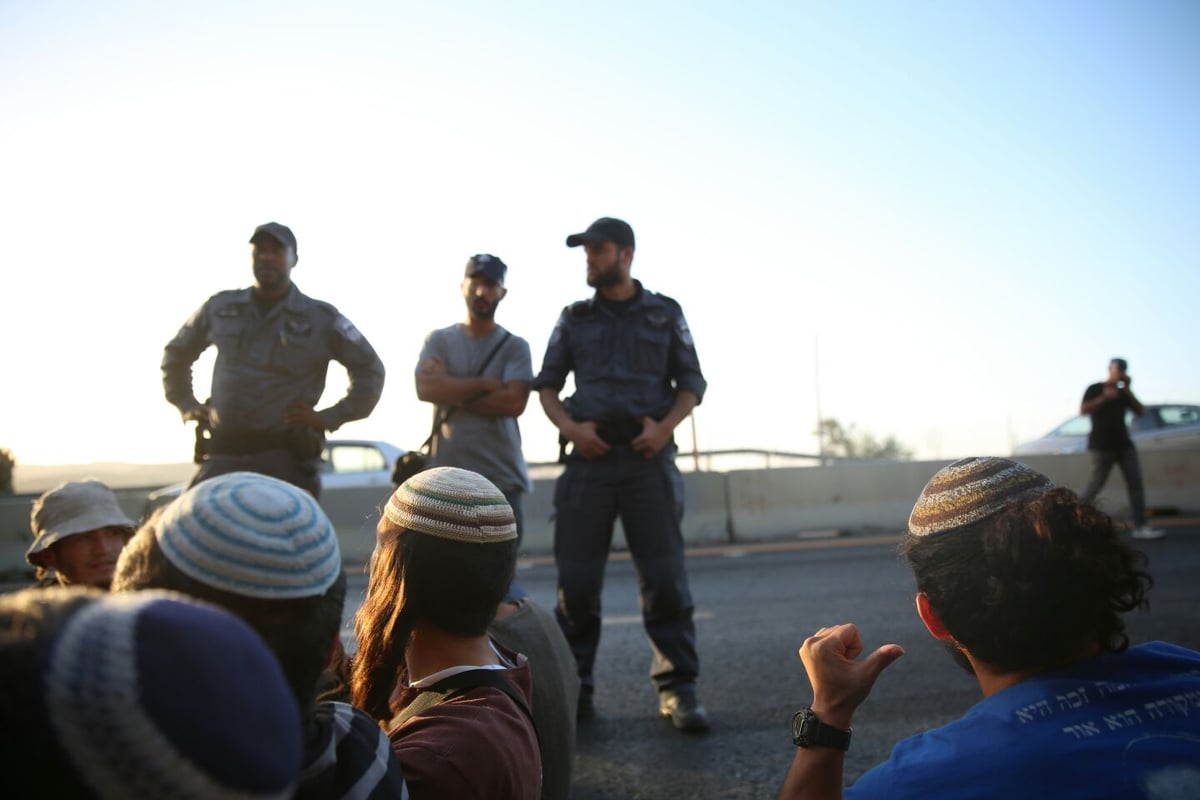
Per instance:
x=753, y=611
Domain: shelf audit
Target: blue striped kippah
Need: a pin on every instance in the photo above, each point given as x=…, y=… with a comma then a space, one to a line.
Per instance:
x=251, y=535
x=150, y=694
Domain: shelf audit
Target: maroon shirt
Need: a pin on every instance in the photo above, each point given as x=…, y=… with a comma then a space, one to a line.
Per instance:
x=478, y=744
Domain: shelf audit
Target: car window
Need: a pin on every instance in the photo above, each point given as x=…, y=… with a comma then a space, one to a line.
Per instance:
x=1076, y=426
x=1179, y=415
x=343, y=458
x=1146, y=422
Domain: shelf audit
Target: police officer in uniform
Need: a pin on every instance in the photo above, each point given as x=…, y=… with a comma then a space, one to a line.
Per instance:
x=636, y=378
x=274, y=345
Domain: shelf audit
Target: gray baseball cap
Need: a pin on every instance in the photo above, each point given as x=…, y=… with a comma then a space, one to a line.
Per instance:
x=72, y=508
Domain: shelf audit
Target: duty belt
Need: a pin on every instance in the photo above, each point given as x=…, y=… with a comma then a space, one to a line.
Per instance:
x=244, y=443
x=618, y=430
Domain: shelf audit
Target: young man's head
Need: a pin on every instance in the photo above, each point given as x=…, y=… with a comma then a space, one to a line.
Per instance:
x=140, y=695
x=259, y=547
x=79, y=530
x=483, y=286
x=445, y=553
x=1020, y=575
x=273, y=257
x=1117, y=370
x=609, y=245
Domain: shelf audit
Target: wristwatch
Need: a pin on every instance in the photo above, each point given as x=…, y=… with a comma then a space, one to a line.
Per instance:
x=808, y=731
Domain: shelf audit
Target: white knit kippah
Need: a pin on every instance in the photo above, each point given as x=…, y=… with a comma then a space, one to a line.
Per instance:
x=251, y=535
x=112, y=683
x=452, y=503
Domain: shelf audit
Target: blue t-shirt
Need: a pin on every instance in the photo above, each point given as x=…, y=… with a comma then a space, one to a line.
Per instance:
x=1121, y=725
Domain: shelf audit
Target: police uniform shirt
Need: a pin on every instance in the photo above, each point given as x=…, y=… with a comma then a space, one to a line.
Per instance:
x=266, y=361
x=629, y=359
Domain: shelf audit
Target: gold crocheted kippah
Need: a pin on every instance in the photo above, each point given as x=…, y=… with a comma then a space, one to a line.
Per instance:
x=970, y=490
x=452, y=503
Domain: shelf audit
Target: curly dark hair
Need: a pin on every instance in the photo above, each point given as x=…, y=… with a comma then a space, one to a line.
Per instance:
x=1032, y=586
x=300, y=631
x=453, y=586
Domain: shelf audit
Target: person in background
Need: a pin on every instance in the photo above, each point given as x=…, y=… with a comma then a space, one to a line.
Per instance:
x=79, y=530
x=477, y=376
x=274, y=345
x=1109, y=442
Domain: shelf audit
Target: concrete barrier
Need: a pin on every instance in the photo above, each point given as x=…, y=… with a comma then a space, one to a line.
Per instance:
x=745, y=505
x=780, y=503
x=1171, y=478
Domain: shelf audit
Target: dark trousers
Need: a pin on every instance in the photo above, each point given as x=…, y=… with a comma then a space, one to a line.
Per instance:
x=648, y=498
x=278, y=463
x=516, y=501
x=1127, y=460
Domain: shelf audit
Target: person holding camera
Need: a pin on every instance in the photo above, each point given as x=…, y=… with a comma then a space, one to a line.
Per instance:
x=1109, y=442
x=274, y=345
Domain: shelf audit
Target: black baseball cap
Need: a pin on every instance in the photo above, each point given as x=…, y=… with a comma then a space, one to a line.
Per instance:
x=605, y=229
x=280, y=233
x=486, y=264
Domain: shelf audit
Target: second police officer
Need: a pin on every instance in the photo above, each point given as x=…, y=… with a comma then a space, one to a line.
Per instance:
x=637, y=377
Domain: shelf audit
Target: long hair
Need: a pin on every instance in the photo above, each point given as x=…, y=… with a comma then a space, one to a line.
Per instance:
x=417, y=578
x=1032, y=586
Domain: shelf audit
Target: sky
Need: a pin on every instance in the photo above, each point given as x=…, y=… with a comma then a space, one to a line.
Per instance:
x=931, y=220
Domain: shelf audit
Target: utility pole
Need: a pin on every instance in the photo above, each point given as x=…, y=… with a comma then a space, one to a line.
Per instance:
x=817, y=386
x=695, y=444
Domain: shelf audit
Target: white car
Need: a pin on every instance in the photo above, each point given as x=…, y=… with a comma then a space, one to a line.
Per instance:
x=354, y=472
x=1163, y=427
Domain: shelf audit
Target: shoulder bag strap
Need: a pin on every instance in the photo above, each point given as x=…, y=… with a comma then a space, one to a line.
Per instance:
x=461, y=683
x=444, y=416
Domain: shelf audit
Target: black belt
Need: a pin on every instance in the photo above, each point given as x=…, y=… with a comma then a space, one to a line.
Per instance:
x=619, y=430
x=245, y=443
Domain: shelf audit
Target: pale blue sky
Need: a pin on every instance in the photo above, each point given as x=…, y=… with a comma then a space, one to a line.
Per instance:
x=971, y=205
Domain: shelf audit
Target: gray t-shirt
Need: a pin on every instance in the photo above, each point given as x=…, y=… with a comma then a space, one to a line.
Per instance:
x=490, y=446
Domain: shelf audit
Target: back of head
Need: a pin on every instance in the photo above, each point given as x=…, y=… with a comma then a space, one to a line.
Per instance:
x=1025, y=576
x=147, y=695
x=260, y=548
x=445, y=554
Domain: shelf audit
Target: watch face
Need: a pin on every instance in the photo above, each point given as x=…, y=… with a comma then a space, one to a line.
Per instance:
x=801, y=724
x=809, y=731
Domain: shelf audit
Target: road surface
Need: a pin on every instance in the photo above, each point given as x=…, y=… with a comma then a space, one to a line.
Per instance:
x=753, y=611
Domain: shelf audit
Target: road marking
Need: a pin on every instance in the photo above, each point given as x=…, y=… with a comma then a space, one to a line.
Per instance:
x=636, y=619
x=740, y=550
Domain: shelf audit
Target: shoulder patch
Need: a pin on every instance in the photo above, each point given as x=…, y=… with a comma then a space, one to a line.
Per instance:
x=346, y=328
x=668, y=301
x=684, y=332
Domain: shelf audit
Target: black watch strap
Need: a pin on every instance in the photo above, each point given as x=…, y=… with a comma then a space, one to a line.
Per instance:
x=809, y=731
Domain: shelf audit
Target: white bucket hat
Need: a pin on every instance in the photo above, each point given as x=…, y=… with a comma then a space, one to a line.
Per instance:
x=72, y=508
